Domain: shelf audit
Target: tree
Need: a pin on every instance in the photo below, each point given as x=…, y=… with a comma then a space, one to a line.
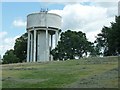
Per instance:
x=72, y=44
x=19, y=53
x=10, y=57
x=94, y=51
x=109, y=39
x=20, y=48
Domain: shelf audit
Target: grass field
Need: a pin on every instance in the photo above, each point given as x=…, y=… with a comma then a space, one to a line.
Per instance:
x=83, y=73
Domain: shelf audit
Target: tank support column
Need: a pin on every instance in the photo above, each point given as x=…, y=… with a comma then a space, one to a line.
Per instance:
x=56, y=38
x=47, y=46
x=28, y=47
x=51, y=57
x=34, y=52
x=31, y=47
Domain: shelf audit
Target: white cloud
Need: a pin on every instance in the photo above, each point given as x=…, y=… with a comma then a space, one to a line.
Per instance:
x=76, y=16
x=111, y=7
x=19, y=23
x=59, y=12
x=92, y=29
x=6, y=42
x=88, y=19
x=119, y=8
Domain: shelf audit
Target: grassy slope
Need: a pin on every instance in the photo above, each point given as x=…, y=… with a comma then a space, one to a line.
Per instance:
x=57, y=74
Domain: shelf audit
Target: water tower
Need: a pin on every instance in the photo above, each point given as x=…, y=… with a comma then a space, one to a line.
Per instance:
x=41, y=28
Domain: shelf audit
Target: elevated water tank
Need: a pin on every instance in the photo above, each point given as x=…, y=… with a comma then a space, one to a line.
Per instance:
x=41, y=28
x=43, y=19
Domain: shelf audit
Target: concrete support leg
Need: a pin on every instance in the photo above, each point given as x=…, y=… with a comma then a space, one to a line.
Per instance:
x=51, y=57
x=38, y=47
x=47, y=46
x=51, y=42
x=34, y=52
x=56, y=38
x=31, y=47
x=28, y=47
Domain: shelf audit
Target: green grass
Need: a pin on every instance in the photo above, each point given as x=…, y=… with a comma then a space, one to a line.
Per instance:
x=56, y=74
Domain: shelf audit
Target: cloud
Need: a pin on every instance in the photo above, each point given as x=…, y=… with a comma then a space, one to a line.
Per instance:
x=119, y=8
x=19, y=23
x=92, y=29
x=76, y=16
x=111, y=7
x=59, y=12
x=86, y=18
x=6, y=42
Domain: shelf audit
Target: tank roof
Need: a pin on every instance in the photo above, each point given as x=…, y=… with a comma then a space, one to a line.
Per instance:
x=43, y=12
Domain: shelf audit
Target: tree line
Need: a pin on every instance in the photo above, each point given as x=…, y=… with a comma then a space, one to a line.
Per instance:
x=73, y=45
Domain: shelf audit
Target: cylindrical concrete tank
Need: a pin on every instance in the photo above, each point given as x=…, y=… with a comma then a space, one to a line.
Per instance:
x=43, y=19
x=41, y=28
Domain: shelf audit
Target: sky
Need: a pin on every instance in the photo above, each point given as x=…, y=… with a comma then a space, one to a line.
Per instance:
x=87, y=16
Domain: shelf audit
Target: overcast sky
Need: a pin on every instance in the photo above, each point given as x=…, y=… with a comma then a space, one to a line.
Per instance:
x=87, y=16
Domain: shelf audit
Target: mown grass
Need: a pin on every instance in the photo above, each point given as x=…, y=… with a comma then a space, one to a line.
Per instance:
x=56, y=74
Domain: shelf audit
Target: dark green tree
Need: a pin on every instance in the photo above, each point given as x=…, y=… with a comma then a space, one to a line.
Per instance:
x=10, y=57
x=109, y=39
x=19, y=53
x=72, y=44
x=20, y=48
x=95, y=50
